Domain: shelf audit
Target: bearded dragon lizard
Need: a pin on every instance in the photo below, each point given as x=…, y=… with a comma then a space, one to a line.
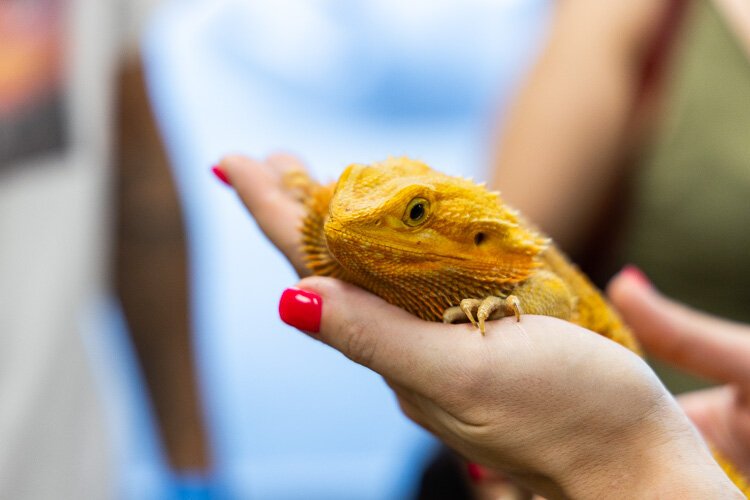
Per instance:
x=443, y=248
x=446, y=249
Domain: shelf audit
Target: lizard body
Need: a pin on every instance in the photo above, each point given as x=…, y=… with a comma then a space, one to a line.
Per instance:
x=444, y=248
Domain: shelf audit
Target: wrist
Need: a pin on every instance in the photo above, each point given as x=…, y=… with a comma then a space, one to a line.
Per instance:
x=663, y=457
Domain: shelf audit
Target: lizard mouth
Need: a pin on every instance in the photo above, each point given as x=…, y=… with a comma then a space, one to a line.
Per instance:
x=372, y=258
x=346, y=244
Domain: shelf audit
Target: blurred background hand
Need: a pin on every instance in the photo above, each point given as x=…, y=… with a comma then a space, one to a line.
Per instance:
x=703, y=345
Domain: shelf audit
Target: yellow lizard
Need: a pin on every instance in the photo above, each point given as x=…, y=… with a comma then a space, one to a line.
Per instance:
x=446, y=249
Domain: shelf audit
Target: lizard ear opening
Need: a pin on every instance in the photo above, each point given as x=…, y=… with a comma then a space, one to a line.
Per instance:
x=508, y=236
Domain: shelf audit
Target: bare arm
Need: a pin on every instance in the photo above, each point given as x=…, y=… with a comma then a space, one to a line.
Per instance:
x=568, y=128
x=151, y=275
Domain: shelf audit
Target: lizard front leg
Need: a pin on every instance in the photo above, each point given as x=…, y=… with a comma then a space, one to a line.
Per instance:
x=543, y=293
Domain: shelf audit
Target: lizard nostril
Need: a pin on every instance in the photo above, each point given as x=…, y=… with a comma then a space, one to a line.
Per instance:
x=479, y=238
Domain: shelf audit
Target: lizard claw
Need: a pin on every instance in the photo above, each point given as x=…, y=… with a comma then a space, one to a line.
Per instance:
x=479, y=311
x=470, y=307
x=488, y=307
x=512, y=303
x=495, y=307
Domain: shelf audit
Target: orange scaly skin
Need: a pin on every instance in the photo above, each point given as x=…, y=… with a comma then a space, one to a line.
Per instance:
x=466, y=244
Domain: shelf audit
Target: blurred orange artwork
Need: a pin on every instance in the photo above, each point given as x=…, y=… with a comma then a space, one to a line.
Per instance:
x=31, y=52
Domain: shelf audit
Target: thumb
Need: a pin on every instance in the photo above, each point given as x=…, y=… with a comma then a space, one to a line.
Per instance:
x=368, y=330
x=696, y=342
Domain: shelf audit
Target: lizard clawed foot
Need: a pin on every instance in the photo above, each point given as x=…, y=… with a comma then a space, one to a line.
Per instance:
x=479, y=311
x=495, y=307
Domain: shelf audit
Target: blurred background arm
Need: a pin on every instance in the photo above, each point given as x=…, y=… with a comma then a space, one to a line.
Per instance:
x=151, y=274
x=563, y=142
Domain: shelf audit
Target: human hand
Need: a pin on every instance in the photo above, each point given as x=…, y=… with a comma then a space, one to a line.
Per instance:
x=536, y=399
x=561, y=410
x=700, y=344
x=275, y=207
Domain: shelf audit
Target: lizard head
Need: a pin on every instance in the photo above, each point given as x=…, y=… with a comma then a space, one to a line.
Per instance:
x=399, y=219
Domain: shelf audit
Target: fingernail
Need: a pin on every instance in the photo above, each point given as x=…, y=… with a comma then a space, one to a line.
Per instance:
x=634, y=273
x=219, y=172
x=476, y=472
x=301, y=309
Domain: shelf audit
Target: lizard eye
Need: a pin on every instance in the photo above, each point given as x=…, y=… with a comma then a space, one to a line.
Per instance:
x=416, y=212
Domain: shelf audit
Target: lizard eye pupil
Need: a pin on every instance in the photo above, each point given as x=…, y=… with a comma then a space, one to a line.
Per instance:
x=416, y=212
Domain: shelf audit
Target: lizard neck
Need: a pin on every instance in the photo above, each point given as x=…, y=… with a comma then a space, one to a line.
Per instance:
x=427, y=295
x=317, y=256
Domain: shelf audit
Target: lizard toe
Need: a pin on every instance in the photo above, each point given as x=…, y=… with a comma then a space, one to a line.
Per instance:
x=470, y=308
x=454, y=315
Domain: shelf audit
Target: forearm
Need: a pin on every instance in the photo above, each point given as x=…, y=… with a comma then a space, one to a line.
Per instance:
x=563, y=140
x=559, y=152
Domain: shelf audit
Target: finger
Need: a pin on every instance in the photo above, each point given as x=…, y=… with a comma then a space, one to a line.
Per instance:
x=277, y=213
x=723, y=419
x=285, y=162
x=704, y=407
x=404, y=349
x=694, y=341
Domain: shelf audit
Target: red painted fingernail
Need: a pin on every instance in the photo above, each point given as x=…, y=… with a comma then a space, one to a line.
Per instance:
x=476, y=472
x=301, y=309
x=219, y=172
x=635, y=273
